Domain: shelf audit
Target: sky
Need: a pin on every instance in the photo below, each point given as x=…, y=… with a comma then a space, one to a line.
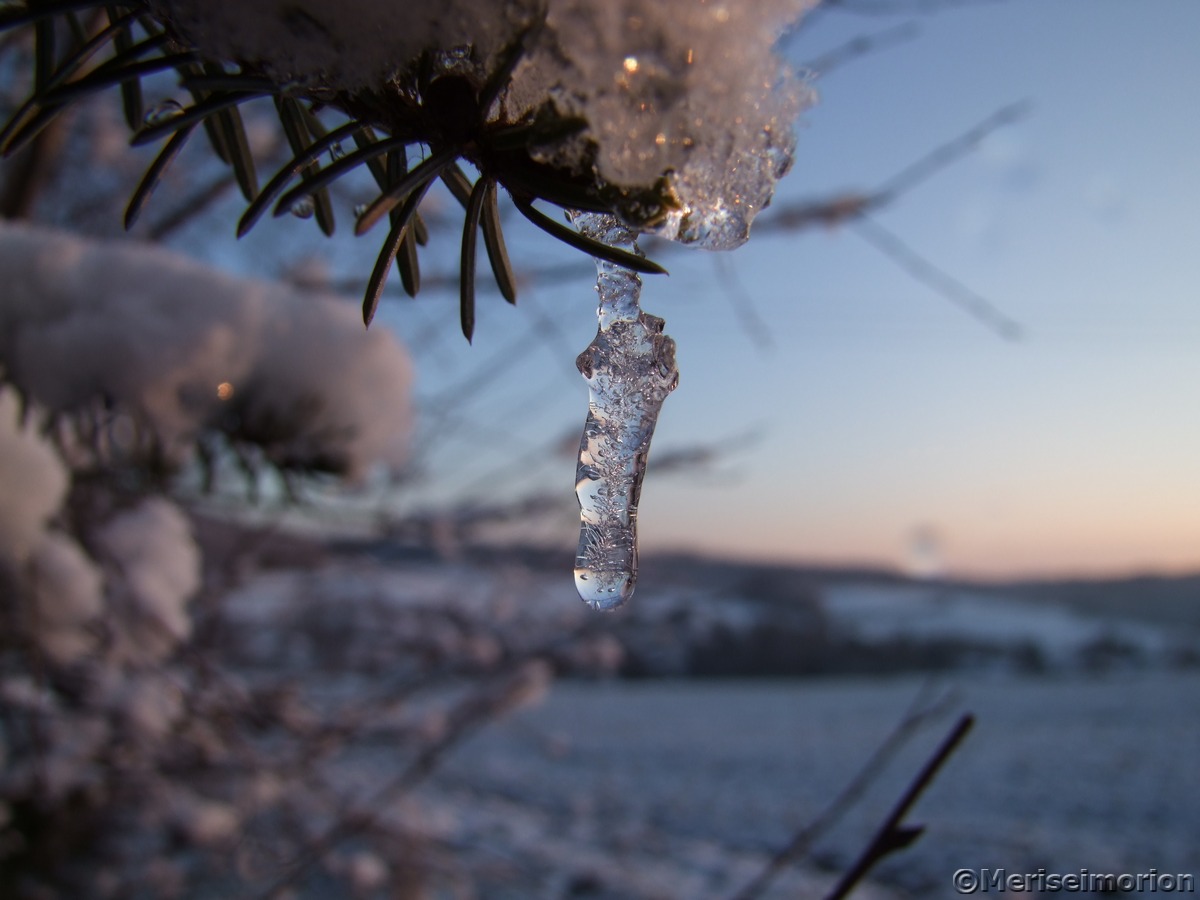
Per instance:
x=888, y=417
x=859, y=415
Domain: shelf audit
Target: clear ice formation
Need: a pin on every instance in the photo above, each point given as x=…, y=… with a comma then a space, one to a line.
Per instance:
x=630, y=369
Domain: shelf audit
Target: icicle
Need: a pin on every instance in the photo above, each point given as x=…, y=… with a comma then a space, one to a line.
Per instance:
x=630, y=369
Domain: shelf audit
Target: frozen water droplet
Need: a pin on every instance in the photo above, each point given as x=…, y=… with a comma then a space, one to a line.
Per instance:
x=718, y=205
x=630, y=369
x=360, y=208
x=163, y=112
x=303, y=208
x=455, y=61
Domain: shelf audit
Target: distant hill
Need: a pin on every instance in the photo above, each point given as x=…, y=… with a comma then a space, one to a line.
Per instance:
x=1161, y=599
x=697, y=616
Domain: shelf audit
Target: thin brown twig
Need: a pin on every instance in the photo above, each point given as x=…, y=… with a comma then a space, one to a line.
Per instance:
x=900, y=7
x=860, y=46
x=33, y=170
x=468, y=715
x=918, y=713
x=854, y=208
x=846, y=206
x=951, y=151
x=745, y=312
x=192, y=207
x=892, y=834
x=923, y=270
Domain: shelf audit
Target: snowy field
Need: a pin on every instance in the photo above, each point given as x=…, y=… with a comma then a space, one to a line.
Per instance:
x=696, y=782
x=665, y=788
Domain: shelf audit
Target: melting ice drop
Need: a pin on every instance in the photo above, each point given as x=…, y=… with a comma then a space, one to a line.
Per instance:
x=630, y=369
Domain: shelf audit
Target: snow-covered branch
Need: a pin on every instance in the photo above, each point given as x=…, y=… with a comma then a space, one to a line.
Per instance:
x=171, y=351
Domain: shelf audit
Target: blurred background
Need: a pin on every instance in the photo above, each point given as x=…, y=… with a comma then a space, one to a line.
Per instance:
x=863, y=412
x=934, y=449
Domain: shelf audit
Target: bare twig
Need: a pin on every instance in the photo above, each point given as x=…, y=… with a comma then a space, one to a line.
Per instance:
x=854, y=208
x=924, y=271
x=846, y=206
x=745, y=312
x=893, y=835
x=900, y=7
x=463, y=719
x=918, y=713
x=953, y=150
x=860, y=46
x=34, y=169
x=193, y=206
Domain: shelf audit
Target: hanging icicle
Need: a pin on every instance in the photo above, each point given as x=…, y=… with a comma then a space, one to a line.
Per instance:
x=630, y=369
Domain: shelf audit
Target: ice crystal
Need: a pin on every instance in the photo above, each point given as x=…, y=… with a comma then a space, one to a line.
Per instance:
x=630, y=369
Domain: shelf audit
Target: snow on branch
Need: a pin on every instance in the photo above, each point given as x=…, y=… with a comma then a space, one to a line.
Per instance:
x=186, y=352
x=687, y=90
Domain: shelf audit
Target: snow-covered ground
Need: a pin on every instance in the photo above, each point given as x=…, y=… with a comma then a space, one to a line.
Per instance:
x=682, y=788
x=1061, y=773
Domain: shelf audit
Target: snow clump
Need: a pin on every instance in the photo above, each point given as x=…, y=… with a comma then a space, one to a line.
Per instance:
x=178, y=349
x=687, y=89
x=151, y=546
x=34, y=483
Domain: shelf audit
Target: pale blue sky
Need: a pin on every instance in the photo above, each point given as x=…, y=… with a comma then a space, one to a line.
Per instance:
x=880, y=410
x=1077, y=448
